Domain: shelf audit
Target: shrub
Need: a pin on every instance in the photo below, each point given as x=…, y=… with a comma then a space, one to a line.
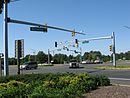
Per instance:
x=101, y=80
x=48, y=85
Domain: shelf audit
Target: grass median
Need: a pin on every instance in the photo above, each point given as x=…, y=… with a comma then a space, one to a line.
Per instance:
x=120, y=67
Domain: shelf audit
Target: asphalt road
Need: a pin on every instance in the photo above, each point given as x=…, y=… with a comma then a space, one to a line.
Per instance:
x=116, y=76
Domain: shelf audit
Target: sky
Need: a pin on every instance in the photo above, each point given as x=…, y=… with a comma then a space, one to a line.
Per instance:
x=96, y=18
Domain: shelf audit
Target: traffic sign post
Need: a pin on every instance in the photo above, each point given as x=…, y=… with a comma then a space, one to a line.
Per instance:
x=19, y=51
x=5, y=33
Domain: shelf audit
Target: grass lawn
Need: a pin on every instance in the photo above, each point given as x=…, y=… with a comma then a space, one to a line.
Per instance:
x=121, y=67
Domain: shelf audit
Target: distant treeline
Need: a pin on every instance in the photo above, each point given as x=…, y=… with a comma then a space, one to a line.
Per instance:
x=42, y=57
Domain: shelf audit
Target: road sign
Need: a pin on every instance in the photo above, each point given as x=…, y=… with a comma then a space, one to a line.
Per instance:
x=84, y=42
x=58, y=49
x=19, y=48
x=43, y=29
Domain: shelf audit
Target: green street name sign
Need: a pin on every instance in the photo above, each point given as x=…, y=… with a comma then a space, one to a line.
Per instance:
x=84, y=42
x=43, y=29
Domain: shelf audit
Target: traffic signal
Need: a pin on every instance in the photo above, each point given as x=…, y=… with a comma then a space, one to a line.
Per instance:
x=73, y=34
x=110, y=48
x=76, y=42
x=55, y=44
x=1, y=5
x=45, y=28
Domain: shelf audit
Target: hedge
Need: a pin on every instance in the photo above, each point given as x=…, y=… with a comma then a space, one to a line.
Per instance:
x=49, y=85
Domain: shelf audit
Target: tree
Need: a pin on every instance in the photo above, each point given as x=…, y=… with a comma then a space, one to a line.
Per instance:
x=86, y=56
x=60, y=58
x=106, y=58
x=1, y=6
x=41, y=57
x=78, y=57
x=127, y=55
x=70, y=57
x=12, y=61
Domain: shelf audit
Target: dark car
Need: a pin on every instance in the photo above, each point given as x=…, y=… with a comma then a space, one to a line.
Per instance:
x=29, y=65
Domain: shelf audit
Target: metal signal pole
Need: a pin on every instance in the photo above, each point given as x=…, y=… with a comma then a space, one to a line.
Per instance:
x=5, y=38
x=113, y=49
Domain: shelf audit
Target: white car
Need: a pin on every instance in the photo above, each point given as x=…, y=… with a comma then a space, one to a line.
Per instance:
x=98, y=61
x=73, y=64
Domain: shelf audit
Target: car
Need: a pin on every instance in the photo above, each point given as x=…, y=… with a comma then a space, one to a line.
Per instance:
x=29, y=65
x=73, y=64
x=98, y=61
x=86, y=62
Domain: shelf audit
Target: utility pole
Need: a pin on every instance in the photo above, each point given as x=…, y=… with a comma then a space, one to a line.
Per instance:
x=5, y=38
x=113, y=49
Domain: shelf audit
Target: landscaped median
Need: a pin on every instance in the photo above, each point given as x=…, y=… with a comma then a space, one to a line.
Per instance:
x=49, y=85
x=125, y=67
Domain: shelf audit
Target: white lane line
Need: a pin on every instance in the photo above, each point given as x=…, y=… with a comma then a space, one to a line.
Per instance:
x=125, y=79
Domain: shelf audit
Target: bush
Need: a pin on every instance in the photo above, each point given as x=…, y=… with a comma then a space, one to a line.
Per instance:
x=101, y=80
x=67, y=85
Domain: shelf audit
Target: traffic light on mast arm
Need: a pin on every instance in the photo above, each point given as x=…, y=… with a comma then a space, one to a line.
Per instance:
x=76, y=42
x=110, y=48
x=73, y=34
x=55, y=44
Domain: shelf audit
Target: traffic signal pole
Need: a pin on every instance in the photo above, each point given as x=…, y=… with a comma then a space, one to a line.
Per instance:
x=5, y=38
x=104, y=38
x=113, y=49
x=41, y=25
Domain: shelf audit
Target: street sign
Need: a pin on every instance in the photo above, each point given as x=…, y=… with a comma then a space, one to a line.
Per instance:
x=58, y=49
x=43, y=29
x=19, y=48
x=84, y=42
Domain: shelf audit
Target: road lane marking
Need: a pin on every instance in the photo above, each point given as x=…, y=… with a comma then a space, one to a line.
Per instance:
x=124, y=79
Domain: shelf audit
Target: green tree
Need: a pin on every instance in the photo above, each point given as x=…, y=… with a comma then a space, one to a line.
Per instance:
x=86, y=56
x=41, y=57
x=106, y=58
x=127, y=55
x=60, y=58
x=12, y=61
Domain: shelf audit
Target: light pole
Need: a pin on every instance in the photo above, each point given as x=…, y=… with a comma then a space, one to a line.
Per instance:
x=5, y=38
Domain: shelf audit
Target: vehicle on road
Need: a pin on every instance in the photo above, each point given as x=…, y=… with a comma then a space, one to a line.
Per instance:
x=86, y=62
x=73, y=64
x=98, y=61
x=29, y=65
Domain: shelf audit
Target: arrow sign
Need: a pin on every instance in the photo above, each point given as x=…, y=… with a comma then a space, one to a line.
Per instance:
x=43, y=29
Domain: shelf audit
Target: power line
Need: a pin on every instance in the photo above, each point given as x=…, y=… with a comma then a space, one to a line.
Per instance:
x=126, y=27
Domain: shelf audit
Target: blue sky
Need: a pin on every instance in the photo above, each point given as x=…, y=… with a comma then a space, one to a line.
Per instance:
x=97, y=18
